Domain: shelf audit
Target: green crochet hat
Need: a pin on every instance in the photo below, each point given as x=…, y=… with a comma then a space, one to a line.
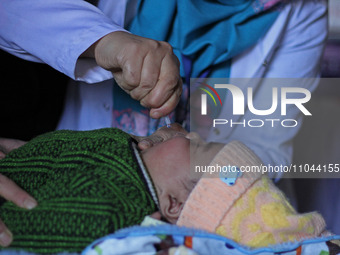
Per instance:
x=87, y=184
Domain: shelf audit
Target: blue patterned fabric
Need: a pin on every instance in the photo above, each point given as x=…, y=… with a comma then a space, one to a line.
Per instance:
x=149, y=240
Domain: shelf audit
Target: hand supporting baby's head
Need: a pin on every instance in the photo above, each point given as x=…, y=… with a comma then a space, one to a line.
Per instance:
x=169, y=165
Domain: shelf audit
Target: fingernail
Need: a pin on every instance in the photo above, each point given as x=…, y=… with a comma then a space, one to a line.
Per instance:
x=5, y=238
x=145, y=144
x=30, y=203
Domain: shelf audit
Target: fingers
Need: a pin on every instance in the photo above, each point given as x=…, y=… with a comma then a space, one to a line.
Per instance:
x=150, y=72
x=7, y=145
x=149, y=142
x=165, y=95
x=160, y=85
x=159, y=88
x=6, y=236
x=12, y=192
x=146, y=69
x=169, y=105
x=162, y=135
x=131, y=67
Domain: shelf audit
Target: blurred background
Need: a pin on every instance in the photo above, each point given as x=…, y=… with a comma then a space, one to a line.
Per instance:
x=31, y=97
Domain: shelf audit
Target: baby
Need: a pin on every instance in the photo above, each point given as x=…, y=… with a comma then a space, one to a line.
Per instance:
x=89, y=184
x=252, y=211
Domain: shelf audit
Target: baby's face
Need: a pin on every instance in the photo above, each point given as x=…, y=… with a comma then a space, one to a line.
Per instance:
x=170, y=163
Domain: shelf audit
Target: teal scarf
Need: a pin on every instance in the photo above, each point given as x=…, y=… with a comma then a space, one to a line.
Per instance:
x=207, y=33
x=205, y=36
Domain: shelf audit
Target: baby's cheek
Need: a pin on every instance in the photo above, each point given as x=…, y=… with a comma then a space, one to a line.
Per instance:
x=185, y=195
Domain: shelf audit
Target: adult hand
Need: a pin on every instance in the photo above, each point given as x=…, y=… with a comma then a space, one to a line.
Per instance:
x=146, y=69
x=7, y=145
x=161, y=135
x=12, y=192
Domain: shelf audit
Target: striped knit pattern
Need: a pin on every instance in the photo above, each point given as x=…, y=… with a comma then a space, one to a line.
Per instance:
x=87, y=184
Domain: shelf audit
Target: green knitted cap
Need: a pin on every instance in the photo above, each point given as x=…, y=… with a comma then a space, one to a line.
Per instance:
x=87, y=184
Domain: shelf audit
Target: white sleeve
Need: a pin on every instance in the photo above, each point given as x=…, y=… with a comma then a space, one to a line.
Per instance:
x=55, y=32
x=295, y=52
x=298, y=55
x=300, y=49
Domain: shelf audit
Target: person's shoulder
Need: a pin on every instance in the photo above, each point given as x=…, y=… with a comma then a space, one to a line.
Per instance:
x=303, y=10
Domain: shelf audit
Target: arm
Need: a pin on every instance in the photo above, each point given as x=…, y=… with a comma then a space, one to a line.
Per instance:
x=79, y=40
x=56, y=33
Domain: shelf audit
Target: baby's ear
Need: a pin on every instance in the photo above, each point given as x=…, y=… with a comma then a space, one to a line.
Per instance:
x=173, y=209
